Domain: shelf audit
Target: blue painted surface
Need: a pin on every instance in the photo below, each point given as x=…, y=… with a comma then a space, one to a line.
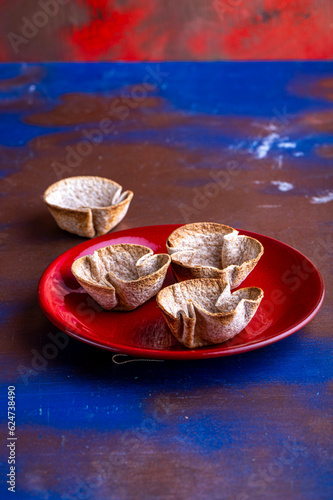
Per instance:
x=237, y=414
x=243, y=89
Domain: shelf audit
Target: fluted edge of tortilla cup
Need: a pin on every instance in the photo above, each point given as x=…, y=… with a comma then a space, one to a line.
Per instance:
x=193, y=325
x=88, y=221
x=112, y=292
x=231, y=249
x=174, y=239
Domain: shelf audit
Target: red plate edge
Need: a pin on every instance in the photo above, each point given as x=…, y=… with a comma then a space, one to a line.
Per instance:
x=200, y=353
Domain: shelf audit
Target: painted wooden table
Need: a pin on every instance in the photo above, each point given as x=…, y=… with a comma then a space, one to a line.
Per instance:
x=251, y=426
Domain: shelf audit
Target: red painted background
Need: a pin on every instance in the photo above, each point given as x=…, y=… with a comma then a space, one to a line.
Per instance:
x=134, y=30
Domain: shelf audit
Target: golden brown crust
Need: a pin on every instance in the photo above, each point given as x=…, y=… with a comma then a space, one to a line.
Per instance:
x=201, y=312
x=88, y=206
x=121, y=277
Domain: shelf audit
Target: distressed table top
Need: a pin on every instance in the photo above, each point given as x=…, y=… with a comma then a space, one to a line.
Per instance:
x=255, y=425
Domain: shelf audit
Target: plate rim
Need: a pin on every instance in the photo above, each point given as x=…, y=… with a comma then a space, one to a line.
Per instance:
x=190, y=354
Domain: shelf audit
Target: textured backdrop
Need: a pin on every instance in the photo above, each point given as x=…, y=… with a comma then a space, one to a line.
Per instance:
x=134, y=30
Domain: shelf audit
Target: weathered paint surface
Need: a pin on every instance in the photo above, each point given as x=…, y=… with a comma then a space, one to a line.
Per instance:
x=141, y=30
x=248, y=145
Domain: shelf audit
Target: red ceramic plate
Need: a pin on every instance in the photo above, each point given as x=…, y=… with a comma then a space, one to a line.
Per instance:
x=293, y=288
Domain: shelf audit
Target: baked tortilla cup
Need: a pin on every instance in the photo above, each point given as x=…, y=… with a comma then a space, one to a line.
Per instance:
x=86, y=205
x=203, y=311
x=121, y=277
x=209, y=250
